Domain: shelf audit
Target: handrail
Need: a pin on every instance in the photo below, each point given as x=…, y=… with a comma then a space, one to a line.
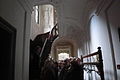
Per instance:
x=99, y=63
x=91, y=63
x=89, y=55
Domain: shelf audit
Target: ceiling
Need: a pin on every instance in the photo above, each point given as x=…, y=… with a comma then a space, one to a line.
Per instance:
x=72, y=16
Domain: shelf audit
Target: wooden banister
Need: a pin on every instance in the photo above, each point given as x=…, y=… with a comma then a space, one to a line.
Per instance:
x=99, y=63
x=89, y=55
x=91, y=63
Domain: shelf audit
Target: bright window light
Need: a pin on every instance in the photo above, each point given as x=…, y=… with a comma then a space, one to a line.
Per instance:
x=63, y=56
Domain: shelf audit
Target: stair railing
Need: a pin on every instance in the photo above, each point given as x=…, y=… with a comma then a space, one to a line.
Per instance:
x=98, y=63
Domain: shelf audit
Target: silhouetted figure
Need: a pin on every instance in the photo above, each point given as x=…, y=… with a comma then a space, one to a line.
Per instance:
x=40, y=49
x=48, y=71
x=75, y=72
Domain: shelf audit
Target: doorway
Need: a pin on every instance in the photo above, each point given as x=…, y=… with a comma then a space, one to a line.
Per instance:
x=7, y=50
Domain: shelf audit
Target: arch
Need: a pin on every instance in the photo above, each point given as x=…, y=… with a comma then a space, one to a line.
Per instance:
x=63, y=43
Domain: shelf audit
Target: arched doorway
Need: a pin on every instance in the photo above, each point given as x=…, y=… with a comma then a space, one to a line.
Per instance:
x=63, y=48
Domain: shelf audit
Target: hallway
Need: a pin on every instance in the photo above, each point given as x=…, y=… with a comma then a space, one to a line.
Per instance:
x=82, y=27
x=44, y=67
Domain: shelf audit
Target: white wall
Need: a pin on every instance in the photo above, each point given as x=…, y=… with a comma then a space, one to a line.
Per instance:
x=18, y=16
x=99, y=37
x=114, y=20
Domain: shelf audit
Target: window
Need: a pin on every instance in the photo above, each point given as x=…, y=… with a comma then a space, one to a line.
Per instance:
x=63, y=56
x=37, y=14
x=63, y=52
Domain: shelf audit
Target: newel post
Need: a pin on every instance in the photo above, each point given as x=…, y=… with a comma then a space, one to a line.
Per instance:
x=100, y=66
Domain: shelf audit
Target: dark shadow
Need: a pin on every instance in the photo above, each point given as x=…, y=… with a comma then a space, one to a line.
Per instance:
x=7, y=50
